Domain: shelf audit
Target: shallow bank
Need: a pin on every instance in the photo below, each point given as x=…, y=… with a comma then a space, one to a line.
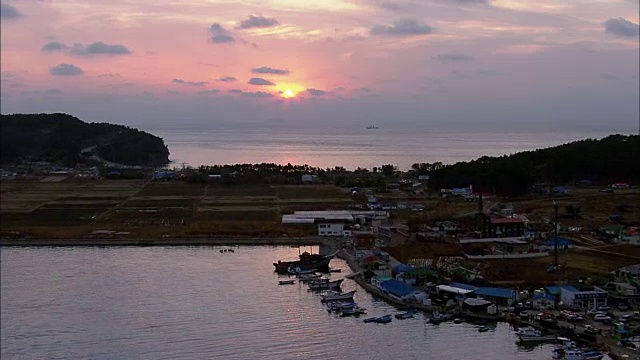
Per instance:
x=163, y=242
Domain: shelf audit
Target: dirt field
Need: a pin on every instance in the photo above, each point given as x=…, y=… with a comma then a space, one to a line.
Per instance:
x=75, y=208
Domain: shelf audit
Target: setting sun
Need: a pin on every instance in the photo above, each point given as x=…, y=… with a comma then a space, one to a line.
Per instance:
x=288, y=93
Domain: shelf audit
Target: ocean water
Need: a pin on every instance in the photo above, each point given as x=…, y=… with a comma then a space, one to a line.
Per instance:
x=197, y=303
x=349, y=147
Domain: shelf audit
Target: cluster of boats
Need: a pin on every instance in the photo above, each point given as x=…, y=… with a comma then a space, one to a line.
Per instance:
x=570, y=351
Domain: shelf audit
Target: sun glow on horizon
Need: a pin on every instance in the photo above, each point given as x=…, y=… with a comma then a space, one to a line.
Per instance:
x=288, y=93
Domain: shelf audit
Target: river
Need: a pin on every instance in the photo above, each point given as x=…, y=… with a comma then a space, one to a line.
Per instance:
x=198, y=303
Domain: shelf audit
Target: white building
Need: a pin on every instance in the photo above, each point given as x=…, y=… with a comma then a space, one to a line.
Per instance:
x=583, y=297
x=330, y=223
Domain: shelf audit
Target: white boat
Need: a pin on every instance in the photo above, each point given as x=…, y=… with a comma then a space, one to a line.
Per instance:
x=530, y=334
x=337, y=296
x=570, y=351
x=286, y=282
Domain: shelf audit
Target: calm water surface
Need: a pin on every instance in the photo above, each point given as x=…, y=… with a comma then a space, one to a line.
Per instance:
x=350, y=148
x=196, y=303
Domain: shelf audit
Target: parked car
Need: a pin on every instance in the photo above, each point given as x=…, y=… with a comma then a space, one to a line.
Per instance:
x=623, y=307
x=590, y=329
x=601, y=318
x=604, y=308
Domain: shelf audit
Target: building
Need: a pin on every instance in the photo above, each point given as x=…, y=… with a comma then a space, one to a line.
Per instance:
x=543, y=301
x=629, y=273
x=398, y=289
x=498, y=296
x=330, y=223
x=488, y=226
x=446, y=226
x=583, y=297
x=550, y=245
x=392, y=235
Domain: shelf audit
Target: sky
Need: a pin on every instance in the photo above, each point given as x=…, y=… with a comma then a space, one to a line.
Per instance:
x=472, y=64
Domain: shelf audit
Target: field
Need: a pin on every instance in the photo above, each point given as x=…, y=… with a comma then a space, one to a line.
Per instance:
x=64, y=207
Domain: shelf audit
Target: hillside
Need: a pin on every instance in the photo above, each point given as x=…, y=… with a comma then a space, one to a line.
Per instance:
x=59, y=138
x=611, y=159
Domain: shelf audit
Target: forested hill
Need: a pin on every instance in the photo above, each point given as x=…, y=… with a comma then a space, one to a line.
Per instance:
x=59, y=138
x=611, y=159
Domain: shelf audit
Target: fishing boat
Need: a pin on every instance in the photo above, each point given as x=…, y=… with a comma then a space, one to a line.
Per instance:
x=484, y=328
x=530, y=334
x=330, y=285
x=308, y=277
x=405, y=315
x=438, y=318
x=337, y=296
x=570, y=351
x=353, y=311
x=369, y=320
x=286, y=282
x=384, y=319
x=372, y=127
x=307, y=262
x=338, y=306
x=299, y=271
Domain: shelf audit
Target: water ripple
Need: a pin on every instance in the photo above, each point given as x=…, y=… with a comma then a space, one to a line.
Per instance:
x=196, y=303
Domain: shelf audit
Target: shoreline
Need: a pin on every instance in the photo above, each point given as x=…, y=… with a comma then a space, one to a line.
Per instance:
x=298, y=241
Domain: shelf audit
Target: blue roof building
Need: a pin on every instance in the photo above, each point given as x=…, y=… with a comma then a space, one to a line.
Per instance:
x=543, y=296
x=401, y=268
x=493, y=292
x=396, y=288
x=463, y=286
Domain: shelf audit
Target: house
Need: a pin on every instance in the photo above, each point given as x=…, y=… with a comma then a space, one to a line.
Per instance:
x=629, y=273
x=543, y=301
x=620, y=185
x=631, y=235
x=511, y=246
x=583, y=297
x=446, y=226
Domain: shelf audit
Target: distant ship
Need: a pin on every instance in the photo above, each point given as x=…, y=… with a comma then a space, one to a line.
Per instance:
x=372, y=127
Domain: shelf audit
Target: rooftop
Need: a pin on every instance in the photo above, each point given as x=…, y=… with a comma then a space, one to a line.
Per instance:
x=496, y=292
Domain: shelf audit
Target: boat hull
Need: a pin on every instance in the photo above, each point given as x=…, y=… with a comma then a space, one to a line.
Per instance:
x=285, y=267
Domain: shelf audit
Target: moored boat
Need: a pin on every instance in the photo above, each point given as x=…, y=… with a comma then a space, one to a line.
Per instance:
x=369, y=320
x=307, y=262
x=286, y=282
x=337, y=296
x=330, y=285
x=438, y=318
x=308, y=277
x=484, y=328
x=353, y=311
x=405, y=315
x=384, y=319
x=530, y=334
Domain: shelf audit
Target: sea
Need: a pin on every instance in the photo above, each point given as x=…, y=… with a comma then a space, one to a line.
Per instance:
x=199, y=303
x=350, y=147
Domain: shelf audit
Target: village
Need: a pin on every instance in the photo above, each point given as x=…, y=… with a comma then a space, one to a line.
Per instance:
x=572, y=248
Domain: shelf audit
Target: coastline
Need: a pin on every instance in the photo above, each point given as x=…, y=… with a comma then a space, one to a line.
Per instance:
x=298, y=241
